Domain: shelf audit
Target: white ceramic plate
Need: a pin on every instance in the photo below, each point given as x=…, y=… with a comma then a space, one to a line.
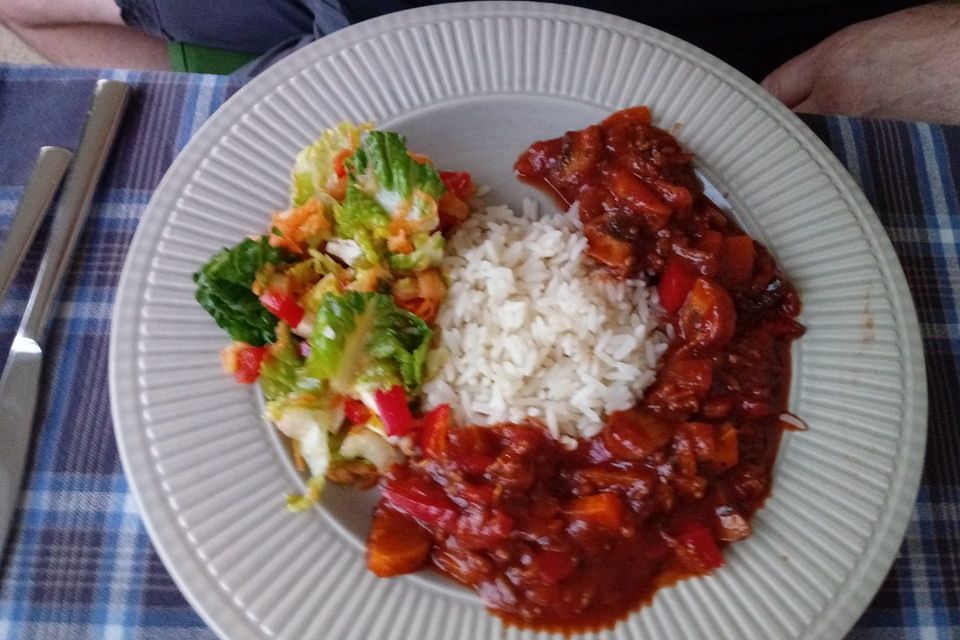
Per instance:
x=472, y=85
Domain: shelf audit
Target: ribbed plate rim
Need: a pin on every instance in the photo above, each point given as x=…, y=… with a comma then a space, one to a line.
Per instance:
x=198, y=586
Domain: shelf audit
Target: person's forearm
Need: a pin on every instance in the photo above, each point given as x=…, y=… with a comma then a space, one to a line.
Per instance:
x=96, y=45
x=905, y=65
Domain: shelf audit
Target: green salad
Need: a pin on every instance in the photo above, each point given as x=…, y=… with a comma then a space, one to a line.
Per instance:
x=331, y=309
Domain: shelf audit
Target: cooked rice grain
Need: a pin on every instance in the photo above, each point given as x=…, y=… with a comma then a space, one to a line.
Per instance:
x=528, y=331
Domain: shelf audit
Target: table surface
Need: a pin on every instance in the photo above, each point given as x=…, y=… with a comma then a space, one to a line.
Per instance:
x=80, y=565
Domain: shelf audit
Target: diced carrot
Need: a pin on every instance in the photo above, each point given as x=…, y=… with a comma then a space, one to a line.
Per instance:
x=694, y=375
x=636, y=481
x=675, y=195
x=399, y=243
x=603, y=510
x=703, y=439
x=612, y=252
x=639, y=197
x=727, y=451
x=420, y=158
x=299, y=225
x=635, y=434
x=396, y=544
x=736, y=260
x=585, y=148
x=228, y=356
x=431, y=285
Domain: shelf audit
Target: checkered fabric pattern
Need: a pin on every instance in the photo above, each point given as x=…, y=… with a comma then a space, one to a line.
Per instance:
x=80, y=565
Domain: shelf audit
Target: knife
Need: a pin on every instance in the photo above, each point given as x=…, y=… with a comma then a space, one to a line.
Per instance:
x=21, y=374
x=44, y=181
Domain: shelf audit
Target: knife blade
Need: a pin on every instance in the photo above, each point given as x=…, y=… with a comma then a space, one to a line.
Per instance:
x=20, y=381
x=44, y=181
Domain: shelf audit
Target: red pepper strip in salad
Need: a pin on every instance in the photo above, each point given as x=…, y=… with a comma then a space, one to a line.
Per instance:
x=391, y=406
x=356, y=411
x=248, y=363
x=338, y=159
x=282, y=306
x=459, y=182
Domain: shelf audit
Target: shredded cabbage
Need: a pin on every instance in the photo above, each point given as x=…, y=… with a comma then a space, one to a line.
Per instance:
x=364, y=341
x=314, y=173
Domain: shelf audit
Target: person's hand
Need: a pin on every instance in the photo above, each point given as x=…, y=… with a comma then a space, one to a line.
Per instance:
x=903, y=66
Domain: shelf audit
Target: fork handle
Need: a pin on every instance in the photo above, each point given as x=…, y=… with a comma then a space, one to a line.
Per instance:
x=109, y=102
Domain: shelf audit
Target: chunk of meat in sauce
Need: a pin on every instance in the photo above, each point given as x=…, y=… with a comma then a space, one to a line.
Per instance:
x=559, y=539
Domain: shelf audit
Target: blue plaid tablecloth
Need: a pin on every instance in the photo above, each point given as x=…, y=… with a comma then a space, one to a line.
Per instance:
x=80, y=565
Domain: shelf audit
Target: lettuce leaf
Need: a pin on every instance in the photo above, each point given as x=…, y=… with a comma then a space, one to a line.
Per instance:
x=427, y=252
x=279, y=371
x=223, y=290
x=314, y=173
x=383, y=169
x=362, y=219
x=363, y=341
x=358, y=213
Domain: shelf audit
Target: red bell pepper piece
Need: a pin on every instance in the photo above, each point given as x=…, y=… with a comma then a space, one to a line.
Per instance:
x=422, y=500
x=708, y=319
x=697, y=547
x=338, y=159
x=282, y=306
x=248, y=363
x=551, y=567
x=356, y=411
x=639, y=197
x=630, y=115
x=433, y=433
x=393, y=410
x=459, y=183
x=675, y=283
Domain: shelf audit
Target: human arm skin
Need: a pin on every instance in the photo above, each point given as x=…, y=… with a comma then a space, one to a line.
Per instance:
x=904, y=66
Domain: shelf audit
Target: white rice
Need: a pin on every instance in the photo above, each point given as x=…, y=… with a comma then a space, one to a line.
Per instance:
x=528, y=331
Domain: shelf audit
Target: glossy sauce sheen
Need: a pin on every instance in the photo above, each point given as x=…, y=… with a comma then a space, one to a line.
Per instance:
x=571, y=540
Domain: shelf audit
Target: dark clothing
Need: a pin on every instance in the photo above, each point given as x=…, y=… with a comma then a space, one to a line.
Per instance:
x=752, y=35
x=755, y=36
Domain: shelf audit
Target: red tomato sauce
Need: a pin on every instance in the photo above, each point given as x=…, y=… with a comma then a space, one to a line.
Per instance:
x=570, y=540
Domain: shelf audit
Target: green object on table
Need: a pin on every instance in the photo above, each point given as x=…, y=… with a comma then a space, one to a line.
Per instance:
x=195, y=58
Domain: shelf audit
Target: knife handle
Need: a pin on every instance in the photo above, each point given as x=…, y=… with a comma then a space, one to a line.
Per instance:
x=44, y=181
x=109, y=101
